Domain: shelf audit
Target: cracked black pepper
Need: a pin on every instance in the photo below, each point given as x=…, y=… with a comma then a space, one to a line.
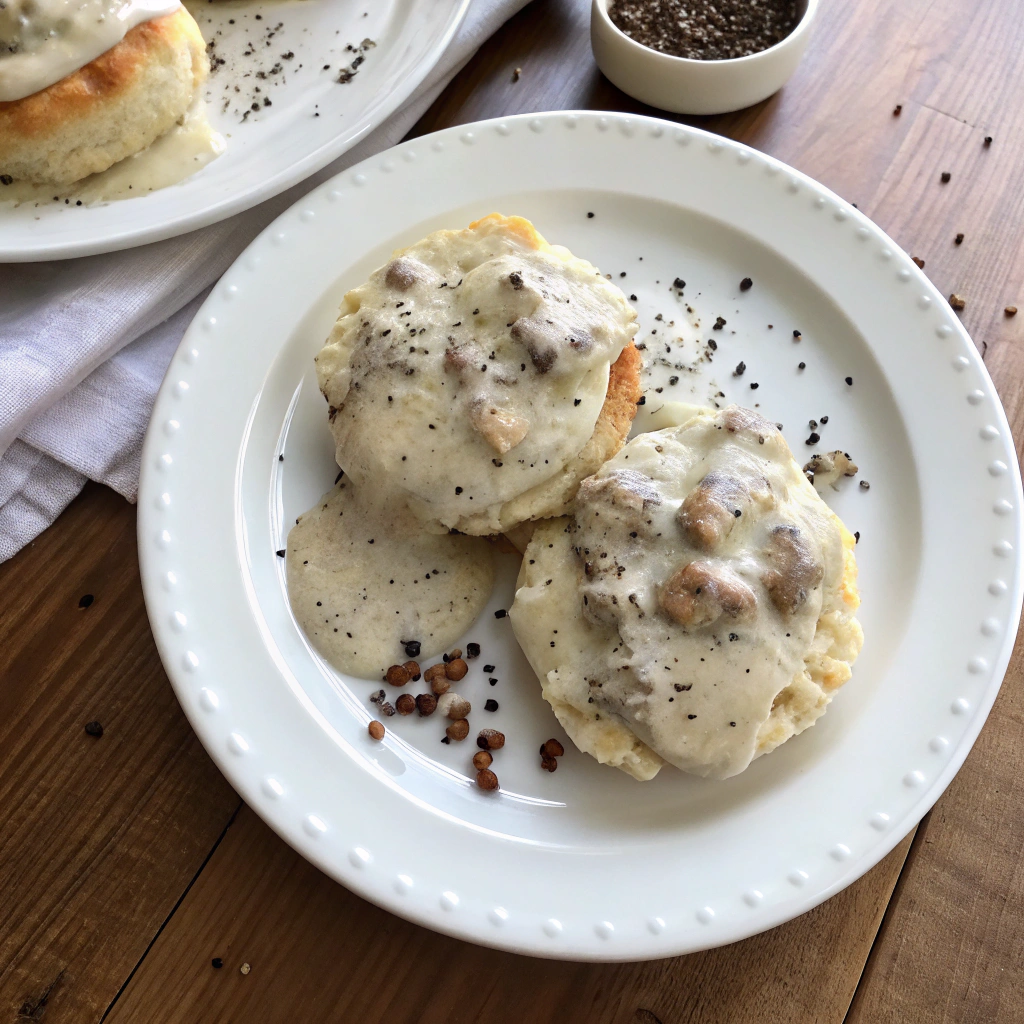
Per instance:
x=706, y=30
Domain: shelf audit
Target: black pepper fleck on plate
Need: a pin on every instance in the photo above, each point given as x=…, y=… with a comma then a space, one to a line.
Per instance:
x=746, y=284
x=491, y=705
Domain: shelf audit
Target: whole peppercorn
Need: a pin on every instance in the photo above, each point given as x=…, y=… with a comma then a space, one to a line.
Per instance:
x=552, y=748
x=457, y=730
x=481, y=760
x=397, y=675
x=406, y=704
x=454, y=706
x=456, y=669
x=412, y=648
x=438, y=680
x=413, y=669
x=426, y=704
x=376, y=730
x=486, y=779
x=490, y=739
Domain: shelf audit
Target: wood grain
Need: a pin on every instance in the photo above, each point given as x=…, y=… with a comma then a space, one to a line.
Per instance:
x=950, y=950
x=329, y=956
x=99, y=837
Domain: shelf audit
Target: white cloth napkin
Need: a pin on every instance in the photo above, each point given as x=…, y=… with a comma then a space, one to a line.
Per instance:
x=84, y=343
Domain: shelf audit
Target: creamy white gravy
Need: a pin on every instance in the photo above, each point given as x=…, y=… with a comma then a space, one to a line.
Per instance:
x=175, y=156
x=715, y=523
x=364, y=579
x=471, y=368
x=43, y=41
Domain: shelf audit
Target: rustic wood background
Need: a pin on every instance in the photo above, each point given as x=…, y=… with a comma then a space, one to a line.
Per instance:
x=127, y=862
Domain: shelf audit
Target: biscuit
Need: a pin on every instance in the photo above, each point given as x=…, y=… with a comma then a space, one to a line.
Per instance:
x=111, y=108
x=698, y=608
x=481, y=374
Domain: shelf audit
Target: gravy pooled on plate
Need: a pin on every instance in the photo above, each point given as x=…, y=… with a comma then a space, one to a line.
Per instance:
x=364, y=578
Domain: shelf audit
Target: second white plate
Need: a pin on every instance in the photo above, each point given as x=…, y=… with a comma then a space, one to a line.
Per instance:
x=587, y=863
x=290, y=53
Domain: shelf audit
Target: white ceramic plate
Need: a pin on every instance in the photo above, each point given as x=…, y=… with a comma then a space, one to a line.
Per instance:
x=586, y=863
x=311, y=119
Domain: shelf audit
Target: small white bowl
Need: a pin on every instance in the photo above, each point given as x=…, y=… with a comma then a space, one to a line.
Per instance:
x=686, y=86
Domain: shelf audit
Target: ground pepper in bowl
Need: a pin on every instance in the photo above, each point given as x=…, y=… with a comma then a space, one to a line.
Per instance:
x=706, y=29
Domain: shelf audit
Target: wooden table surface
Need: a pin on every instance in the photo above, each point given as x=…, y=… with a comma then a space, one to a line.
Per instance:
x=127, y=863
